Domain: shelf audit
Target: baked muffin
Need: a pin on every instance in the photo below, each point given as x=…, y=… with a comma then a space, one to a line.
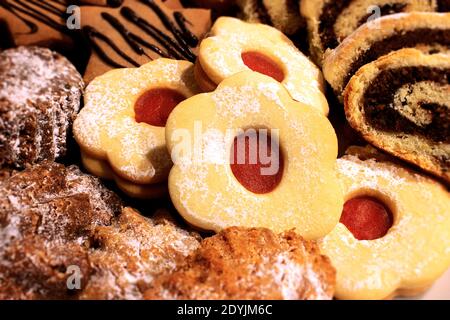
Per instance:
x=40, y=94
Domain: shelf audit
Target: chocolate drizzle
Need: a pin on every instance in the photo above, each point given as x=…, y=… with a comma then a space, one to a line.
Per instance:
x=379, y=101
x=24, y=10
x=176, y=43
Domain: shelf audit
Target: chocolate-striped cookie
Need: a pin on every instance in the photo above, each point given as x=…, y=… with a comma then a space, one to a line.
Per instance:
x=401, y=104
x=40, y=94
x=427, y=31
x=330, y=22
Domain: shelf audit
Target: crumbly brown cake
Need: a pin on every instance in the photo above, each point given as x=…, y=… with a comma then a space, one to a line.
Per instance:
x=400, y=103
x=240, y=263
x=54, y=218
x=47, y=213
x=427, y=31
x=40, y=94
x=128, y=255
x=330, y=22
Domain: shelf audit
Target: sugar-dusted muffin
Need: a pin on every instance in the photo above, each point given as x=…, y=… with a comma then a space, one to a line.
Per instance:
x=40, y=94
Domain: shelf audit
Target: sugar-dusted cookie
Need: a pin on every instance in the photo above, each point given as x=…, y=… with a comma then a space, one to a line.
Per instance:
x=40, y=94
x=121, y=128
x=427, y=31
x=247, y=154
x=138, y=31
x=394, y=235
x=235, y=46
x=134, y=250
x=330, y=22
x=256, y=264
x=47, y=213
x=401, y=104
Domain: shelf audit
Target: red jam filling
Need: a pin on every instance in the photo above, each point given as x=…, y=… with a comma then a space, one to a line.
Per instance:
x=260, y=63
x=155, y=105
x=366, y=218
x=258, y=169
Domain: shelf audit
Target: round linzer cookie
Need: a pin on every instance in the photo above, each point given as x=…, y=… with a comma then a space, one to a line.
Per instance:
x=394, y=234
x=40, y=94
x=47, y=212
x=250, y=263
x=427, y=31
x=330, y=22
x=401, y=104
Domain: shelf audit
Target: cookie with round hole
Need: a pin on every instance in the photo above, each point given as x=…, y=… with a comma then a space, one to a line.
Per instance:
x=394, y=232
x=234, y=46
x=121, y=128
x=247, y=154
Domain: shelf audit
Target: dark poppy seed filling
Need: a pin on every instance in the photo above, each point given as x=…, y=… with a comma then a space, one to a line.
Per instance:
x=407, y=39
x=332, y=10
x=444, y=5
x=379, y=102
x=385, y=10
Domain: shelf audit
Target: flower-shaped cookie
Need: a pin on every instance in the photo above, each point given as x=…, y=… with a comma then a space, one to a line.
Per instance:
x=218, y=180
x=407, y=256
x=121, y=128
x=236, y=46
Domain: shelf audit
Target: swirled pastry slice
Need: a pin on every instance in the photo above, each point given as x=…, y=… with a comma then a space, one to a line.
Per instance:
x=401, y=104
x=426, y=31
x=330, y=22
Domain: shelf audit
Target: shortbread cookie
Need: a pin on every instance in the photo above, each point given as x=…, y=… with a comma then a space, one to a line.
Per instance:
x=401, y=104
x=255, y=264
x=427, y=31
x=330, y=22
x=219, y=180
x=140, y=31
x=235, y=46
x=121, y=128
x=40, y=93
x=128, y=255
x=46, y=216
x=406, y=216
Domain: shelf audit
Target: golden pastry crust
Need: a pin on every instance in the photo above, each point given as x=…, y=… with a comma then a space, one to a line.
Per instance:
x=113, y=144
x=413, y=253
x=338, y=64
x=327, y=29
x=257, y=264
x=308, y=196
x=220, y=57
x=407, y=101
x=129, y=254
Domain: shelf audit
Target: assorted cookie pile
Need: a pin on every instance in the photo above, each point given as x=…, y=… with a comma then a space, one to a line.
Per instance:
x=153, y=106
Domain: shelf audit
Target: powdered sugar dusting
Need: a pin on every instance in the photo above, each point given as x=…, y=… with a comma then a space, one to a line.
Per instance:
x=40, y=95
x=107, y=129
x=414, y=248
